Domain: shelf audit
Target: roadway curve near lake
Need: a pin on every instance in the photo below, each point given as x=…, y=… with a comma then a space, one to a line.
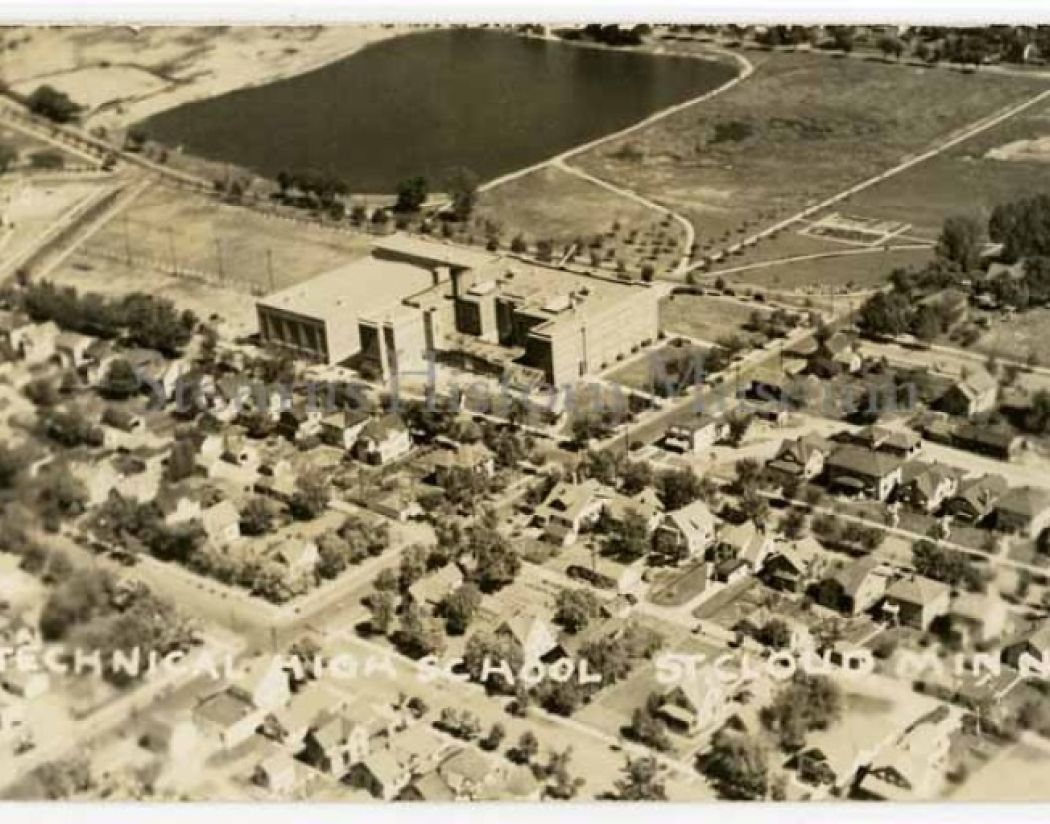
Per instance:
x=561, y=160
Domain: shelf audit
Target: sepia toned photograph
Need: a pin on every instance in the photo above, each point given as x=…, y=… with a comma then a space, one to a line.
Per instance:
x=552, y=412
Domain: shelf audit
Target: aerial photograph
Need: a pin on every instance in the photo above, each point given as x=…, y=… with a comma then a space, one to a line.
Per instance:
x=606, y=411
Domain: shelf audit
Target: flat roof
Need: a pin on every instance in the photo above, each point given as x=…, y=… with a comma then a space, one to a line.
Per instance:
x=435, y=252
x=369, y=284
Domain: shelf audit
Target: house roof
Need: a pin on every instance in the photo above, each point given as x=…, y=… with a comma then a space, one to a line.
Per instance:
x=1026, y=501
x=379, y=429
x=860, y=461
x=918, y=590
x=216, y=519
x=294, y=551
x=854, y=574
x=1038, y=635
x=435, y=586
x=432, y=787
x=877, y=437
x=308, y=705
x=983, y=491
x=572, y=499
x=976, y=383
x=466, y=764
x=693, y=520
x=223, y=709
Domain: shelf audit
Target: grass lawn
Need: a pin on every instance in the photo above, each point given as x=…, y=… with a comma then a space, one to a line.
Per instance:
x=1018, y=337
x=964, y=179
x=661, y=370
x=704, y=317
x=226, y=242
x=552, y=205
x=801, y=128
x=847, y=272
x=681, y=587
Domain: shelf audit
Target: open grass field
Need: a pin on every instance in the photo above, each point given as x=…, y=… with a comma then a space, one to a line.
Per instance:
x=657, y=371
x=704, y=317
x=553, y=205
x=970, y=178
x=801, y=128
x=844, y=271
x=88, y=273
x=1018, y=337
x=177, y=230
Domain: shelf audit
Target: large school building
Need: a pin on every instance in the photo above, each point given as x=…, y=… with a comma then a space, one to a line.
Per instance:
x=411, y=300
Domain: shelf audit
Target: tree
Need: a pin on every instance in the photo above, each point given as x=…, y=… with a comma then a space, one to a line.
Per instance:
x=495, y=737
x=460, y=607
x=809, y=702
x=1037, y=418
x=738, y=765
x=774, y=633
x=842, y=38
x=182, y=460
x=413, y=565
x=527, y=747
x=646, y=728
x=311, y=495
x=382, y=607
x=890, y=44
x=961, y=240
x=462, y=187
x=637, y=476
x=49, y=102
x=794, y=524
x=59, y=495
x=8, y=156
x=739, y=424
x=496, y=562
x=417, y=635
x=411, y=194
x=948, y=565
x=678, y=488
x=886, y=313
x=641, y=781
x=257, y=517
x=575, y=608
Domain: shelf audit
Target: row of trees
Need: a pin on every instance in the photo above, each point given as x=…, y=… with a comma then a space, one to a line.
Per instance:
x=146, y=320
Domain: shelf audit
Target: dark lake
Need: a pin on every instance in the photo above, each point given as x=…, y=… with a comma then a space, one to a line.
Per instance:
x=426, y=103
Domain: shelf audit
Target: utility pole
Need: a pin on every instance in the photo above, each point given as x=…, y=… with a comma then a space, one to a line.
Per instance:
x=171, y=247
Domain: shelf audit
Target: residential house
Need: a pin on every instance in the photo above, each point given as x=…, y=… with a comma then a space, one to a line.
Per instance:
x=532, y=630
x=1031, y=646
x=802, y=458
x=32, y=342
x=696, y=435
x=569, y=509
x=792, y=567
x=925, y=486
x=171, y=733
x=12, y=715
x=858, y=470
x=430, y=590
x=744, y=542
x=300, y=557
x=731, y=570
x=899, y=443
x=300, y=421
x=994, y=440
x=26, y=684
x=977, y=618
x=279, y=773
x=646, y=503
x=383, y=440
x=856, y=587
x=311, y=705
x=832, y=355
x=471, y=457
x=696, y=704
x=916, y=601
x=1024, y=510
x=71, y=349
x=342, y=428
x=263, y=683
x=976, y=498
x=686, y=532
x=221, y=522
x=469, y=773
x=914, y=766
x=973, y=394
x=343, y=740
x=381, y=774
x=177, y=507
x=227, y=719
